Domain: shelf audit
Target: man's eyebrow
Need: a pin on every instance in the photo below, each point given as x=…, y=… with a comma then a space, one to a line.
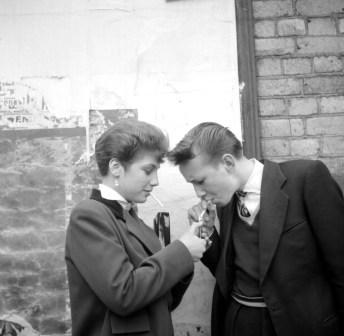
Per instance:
x=149, y=165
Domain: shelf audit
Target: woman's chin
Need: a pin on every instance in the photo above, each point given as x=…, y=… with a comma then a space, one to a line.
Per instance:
x=141, y=199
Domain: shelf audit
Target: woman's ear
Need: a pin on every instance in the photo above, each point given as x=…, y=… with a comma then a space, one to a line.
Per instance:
x=115, y=168
x=228, y=161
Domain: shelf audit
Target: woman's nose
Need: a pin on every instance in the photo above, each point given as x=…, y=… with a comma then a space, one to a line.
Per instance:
x=155, y=180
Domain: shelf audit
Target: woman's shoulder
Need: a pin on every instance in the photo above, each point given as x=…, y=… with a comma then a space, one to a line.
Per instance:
x=90, y=206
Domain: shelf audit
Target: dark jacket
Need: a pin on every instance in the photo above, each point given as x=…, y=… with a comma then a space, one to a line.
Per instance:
x=301, y=251
x=120, y=280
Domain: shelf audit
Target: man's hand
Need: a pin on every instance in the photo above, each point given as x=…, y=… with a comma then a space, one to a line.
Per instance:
x=204, y=213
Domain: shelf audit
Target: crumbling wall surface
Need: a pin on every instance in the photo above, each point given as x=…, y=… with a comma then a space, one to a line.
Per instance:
x=35, y=195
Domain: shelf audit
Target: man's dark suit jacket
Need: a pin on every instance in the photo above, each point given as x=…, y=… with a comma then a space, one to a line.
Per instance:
x=120, y=280
x=301, y=251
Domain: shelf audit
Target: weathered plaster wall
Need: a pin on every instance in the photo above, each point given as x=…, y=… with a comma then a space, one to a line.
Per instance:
x=174, y=63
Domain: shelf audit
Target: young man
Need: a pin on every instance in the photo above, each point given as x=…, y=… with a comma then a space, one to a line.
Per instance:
x=279, y=256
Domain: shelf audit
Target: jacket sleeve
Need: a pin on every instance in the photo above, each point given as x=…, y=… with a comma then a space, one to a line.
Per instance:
x=179, y=289
x=212, y=254
x=97, y=251
x=325, y=207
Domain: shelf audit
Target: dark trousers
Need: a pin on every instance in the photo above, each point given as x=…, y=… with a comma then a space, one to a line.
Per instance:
x=248, y=321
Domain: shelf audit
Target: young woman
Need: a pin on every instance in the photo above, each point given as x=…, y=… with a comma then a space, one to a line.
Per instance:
x=121, y=281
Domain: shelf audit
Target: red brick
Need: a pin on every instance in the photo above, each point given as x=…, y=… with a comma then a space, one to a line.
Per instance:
x=269, y=107
x=263, y=9
x=293, y=66
x=21, y=198
x=264, y=28
x=302, y=106
x=274, y=46
x=16, y=297
x=24, y=262
x=272, y=128
x=321, y=26
x=335, y=165
x=325, y=125
x=52, y=303
x=275, y=147
x=284, y=86
x=49, y=259
x=332, y=104
x=9, y=178
x=289, y=27
x=304, y=147
x=297, y=127
x=22, y=241
x=54, y=280
x=42, y=176
x=319, y=7
x=28, y=280
x=54, y=325
x=317, y=45
x=341, y=25
x=269, y=66
x=55, y=238
x=328, y=64
x=333, y=84
x=333, y=145
x=6, y=262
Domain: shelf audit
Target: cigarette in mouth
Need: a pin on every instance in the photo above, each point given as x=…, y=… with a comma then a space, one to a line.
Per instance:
x=200, y=217
x=157, y=200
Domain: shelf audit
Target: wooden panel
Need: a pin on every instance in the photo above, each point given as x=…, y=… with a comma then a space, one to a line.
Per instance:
x=247, y=78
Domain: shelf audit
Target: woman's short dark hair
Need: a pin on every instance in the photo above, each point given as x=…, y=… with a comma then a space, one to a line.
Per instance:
x=125, y=139
x=210, y=138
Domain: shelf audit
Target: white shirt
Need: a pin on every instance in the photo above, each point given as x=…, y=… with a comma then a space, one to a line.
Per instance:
x=252, y=189
x=112, y=195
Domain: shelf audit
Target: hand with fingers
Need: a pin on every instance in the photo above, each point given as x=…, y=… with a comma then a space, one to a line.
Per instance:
x=205, y=214
x=194, y=244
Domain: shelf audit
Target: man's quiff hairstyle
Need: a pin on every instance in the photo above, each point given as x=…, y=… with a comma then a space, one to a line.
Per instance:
x=208, y=138
x=125, y=140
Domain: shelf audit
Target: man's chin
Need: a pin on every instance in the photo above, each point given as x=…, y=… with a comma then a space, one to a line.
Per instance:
x=221, y=203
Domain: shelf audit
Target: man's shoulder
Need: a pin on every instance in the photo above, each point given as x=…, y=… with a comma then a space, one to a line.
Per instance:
x=298, y=165
x=301, y=168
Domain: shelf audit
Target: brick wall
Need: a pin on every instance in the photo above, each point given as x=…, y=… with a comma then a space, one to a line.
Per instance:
x=299, y=47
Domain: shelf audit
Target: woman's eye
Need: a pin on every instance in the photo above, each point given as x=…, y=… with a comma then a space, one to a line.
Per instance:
x=148, y=171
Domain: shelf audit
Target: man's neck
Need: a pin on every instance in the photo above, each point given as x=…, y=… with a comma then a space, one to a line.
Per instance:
x=245, y=168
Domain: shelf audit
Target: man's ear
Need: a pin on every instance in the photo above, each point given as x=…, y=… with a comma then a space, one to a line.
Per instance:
x=228, y=161
x=115, y=168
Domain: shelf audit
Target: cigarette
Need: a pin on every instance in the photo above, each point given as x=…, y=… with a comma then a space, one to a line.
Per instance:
x=200, y=217
x=157, y=200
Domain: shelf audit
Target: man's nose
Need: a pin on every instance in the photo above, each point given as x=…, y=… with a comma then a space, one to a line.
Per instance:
x=199, y=191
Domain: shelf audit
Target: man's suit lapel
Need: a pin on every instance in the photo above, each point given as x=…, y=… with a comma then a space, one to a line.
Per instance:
x=273, y=209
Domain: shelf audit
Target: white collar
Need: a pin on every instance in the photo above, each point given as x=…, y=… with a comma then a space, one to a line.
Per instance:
x=254, y=182
x=110, y=194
